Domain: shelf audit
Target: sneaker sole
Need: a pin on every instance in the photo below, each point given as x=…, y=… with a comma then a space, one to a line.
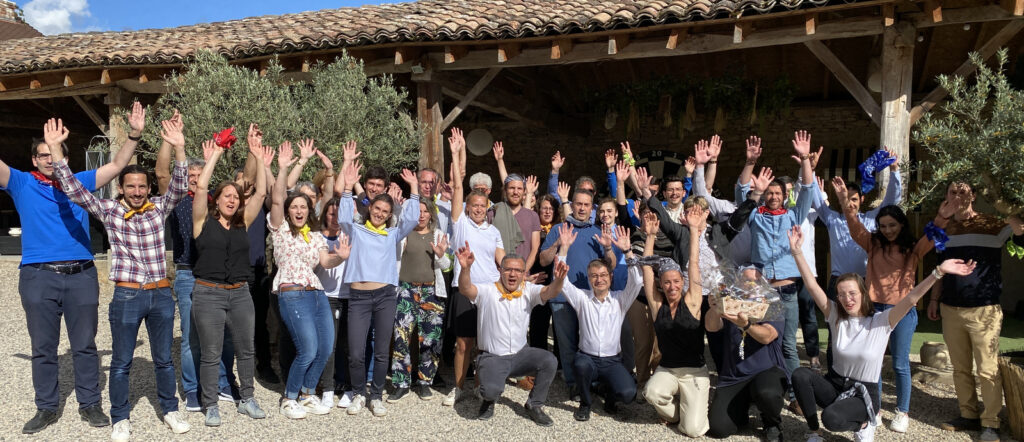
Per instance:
x=193, y=408
x=396, y=400
x=353, y=412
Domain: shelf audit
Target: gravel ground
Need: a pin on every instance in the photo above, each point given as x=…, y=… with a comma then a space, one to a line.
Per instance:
x=409, y=419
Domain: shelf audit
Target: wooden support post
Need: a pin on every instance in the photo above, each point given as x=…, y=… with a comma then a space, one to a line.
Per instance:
x=34, y=83
x=93, y=115
x=1015, y=7
x=934, y=8
x=740, y=31
x=990, y=47
x=428, y=112
x=453, y=53
x=508, y=51
x=305, y=64
x=470, y=96
x=675, y=37
x=811, y=23
x=404, y=55
x=117, y=131
x=888, y=14
x=897, y=79
x=560, y=48
x=617, y=43
x=846, y=78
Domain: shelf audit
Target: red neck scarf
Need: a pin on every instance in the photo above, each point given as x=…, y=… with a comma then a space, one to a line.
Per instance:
x=49, y=182
x=765, y=209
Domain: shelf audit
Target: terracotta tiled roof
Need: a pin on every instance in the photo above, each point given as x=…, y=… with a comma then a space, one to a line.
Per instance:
x=428, y=20
x=11, y=30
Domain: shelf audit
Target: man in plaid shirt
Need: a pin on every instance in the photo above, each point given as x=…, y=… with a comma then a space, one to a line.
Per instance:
x=135, y=227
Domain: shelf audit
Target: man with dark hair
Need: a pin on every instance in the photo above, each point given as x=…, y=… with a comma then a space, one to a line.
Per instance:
x=375, y=182
x=135, y=226
x=58, y=276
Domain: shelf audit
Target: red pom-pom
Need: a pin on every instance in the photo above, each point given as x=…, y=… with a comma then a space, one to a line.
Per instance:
x=224, y=138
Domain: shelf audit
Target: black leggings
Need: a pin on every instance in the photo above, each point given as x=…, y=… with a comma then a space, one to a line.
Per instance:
x=728, y=411
x=813, y=390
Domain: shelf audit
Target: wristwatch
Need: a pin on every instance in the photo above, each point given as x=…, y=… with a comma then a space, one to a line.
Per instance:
x=747, y=327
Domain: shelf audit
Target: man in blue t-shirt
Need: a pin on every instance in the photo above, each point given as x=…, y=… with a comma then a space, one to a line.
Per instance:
x=58, y=277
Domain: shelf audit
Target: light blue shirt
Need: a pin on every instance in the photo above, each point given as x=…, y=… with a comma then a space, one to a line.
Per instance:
x=847, y=255
x=769, y=247
x=373, y=255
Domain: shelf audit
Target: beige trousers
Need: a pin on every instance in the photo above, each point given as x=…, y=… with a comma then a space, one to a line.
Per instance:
x=972, y=337
x=645, y=342
x=681, y=395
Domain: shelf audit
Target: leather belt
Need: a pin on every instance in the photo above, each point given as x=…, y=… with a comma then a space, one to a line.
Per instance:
x=218, y=285
x=182, y=267
x=67, y=268
x=296, y=287
x=161, y=284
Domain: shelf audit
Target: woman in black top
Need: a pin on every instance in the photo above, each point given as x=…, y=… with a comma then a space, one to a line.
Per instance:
x=679, y=388
x=222, y=268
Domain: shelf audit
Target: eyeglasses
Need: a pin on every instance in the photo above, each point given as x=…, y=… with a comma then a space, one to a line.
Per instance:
x=513, y=270
x=43, y=156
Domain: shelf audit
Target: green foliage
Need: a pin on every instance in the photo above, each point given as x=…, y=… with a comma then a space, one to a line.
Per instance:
x=977, y=137
x=338, y=103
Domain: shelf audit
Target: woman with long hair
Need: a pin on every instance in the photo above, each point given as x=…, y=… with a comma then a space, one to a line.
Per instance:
x=421, y=296
x=540, y=318
x=221, y=296
x=850, y=393
x=373, y=278
x=305, y=311
x=893, y=255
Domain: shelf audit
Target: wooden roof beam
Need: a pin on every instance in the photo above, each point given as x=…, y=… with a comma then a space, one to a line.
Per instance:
x=1015, y=7
x=934, y=9
x=847, y=79
x=453, y=53
x=560, y=48
x=888, y=15
x=93, y=115
x=617, y=43
x=811, y=23
x=508, y=51
x=110, y=76
x=406, y=54
x=469, y=97
x=740, y=31
x=676, y=37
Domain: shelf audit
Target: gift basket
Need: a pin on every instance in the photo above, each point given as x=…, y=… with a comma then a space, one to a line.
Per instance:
x=743, y=290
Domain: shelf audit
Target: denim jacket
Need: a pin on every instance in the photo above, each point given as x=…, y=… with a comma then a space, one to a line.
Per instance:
x=769, y=247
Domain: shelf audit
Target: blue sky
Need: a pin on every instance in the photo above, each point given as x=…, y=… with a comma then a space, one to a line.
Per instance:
x=59, y=16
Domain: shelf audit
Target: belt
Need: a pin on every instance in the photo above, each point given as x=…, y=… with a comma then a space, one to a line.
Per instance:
x=218, y=285
x=161, y=284
x=296, y=287
x=182, y=267
x=69, y=268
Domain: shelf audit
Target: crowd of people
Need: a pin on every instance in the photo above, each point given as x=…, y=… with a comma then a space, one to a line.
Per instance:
x=364, y=278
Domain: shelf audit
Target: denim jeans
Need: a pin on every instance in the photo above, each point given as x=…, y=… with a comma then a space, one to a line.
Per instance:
x=307, y=314
x=128, y=308
x=370, y=311
x=789, y=294
x=184, y=283
x=567, y=336
x=619, y=384
x=899, y=347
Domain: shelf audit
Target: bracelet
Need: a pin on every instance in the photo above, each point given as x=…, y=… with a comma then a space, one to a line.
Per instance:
x=937, y=273
x=566, y=202
x=712, y=161
x=805, y=157
x=135, y=138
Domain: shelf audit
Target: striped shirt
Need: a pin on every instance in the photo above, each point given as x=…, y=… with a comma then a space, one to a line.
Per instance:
x=137, y=243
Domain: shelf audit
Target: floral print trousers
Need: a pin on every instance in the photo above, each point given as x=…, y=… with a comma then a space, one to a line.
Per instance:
x=417, y=307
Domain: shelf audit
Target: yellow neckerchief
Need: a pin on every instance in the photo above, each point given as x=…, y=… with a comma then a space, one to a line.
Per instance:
x=132, y=212
x=382, y=231
x=546, y=228
x=509, y=295
x=305, y=232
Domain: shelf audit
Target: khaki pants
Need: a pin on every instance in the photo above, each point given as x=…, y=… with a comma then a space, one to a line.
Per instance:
x=645, y=342
x=972, y=337
x=681, y=395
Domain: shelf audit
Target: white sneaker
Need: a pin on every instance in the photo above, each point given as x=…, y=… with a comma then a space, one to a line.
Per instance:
x=452, y=396
x=377, y=408
x=327, y=399
x=345, y=399
x=900, y=423
x=866, y=434
x=312, y=404
x=358, y=402
x=177, y=423
x=292, y=409
x=122, y=431
x=813, y=437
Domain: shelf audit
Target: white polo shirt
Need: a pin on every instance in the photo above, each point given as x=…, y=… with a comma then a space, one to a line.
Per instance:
x=601, y=321
x=484, y=239
x=501, y=323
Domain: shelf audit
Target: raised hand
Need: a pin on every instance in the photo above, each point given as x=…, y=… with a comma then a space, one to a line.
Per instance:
x=561, y=270
x=137, y=119
x=753, y=148
x=285, y=155
x=622, y=171
x=702, y=152
x=446, y=191
x=622, y=238
x=643, y=181
x=306, y=150
x=690, y=165
x=696, y=218
x=796, y=238
x=802, y=144
x=465, y=256
x=440, y=246
x=328, y=164
x=55, y=133
x=255, y=136
x=948, y=208
x=760, y=182
x=816, y=156
x=651, y=223
x=349, y=152
x=531, y=185
x=267, y=154
x=821, y=182
x=499, y=151
x=395, y=192
x=839, y=187
x=566, y=235
x=410, y=178
x=715, y=147
x=895, y=164
x=957, y=267
x=344, y=247
x=171, y=133
x=563, y=191
x=456, y=141
x=557, y=161
x=609, y=159
x=605, y=238
x=627, y=152
x=209, y=150
x=537, y=278
x=350, y=172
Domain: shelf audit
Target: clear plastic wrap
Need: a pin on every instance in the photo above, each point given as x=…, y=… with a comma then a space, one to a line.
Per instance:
x=744, y=290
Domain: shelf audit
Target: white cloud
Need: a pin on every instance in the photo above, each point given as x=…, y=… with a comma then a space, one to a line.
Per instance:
x=55, y=16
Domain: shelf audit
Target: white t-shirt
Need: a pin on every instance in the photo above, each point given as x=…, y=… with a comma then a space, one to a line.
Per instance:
x=332, y=278
x=484, y=239
x=859, y=343
x=501, y=323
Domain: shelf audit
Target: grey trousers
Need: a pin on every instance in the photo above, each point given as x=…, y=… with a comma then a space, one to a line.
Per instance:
x=494, y=370
x=368, y=308
x=212, y=309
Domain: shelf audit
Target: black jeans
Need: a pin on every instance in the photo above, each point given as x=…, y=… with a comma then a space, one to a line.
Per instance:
x=495, y=370
x=366, y=309
x=259, y=289
x=335, y=376
x=540, y=322
x=620, y=385
x=814, y=390
x=808, y=321
x=46, y=296
x=212, y=309
x=728, y=411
